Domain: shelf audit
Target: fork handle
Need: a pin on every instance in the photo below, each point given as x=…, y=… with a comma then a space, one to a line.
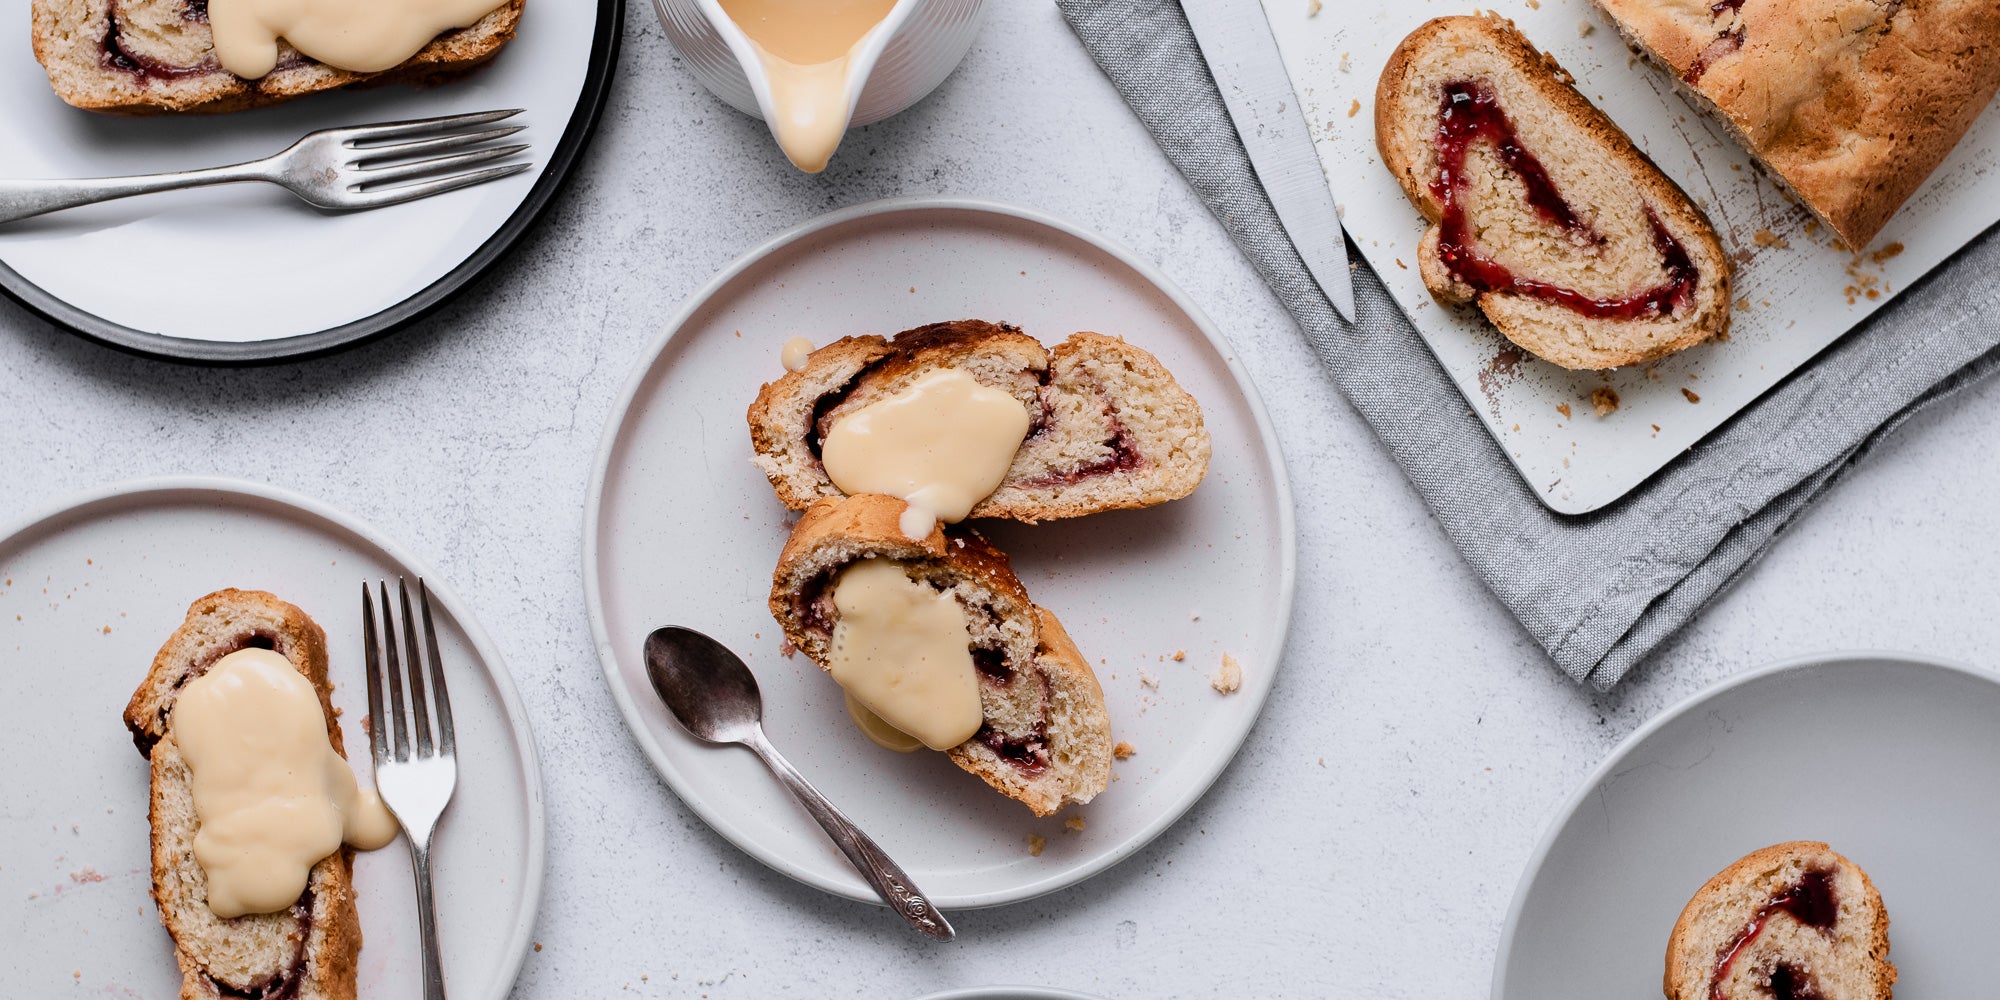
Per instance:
x=889, y=880
x=420, y=856
x=25, y=199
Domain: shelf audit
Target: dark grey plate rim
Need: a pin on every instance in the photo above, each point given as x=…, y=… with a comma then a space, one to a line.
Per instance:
x=576, y=135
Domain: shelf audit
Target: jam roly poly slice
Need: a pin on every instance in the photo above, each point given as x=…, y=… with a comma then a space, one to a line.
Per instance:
x=1470, y=114
x=1810, y=901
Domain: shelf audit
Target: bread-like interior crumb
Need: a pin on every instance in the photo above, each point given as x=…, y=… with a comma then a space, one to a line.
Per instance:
x=1228, y=676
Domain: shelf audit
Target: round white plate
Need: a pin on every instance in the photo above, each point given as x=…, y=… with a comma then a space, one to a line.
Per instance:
x=90, y=592
x=1010, y=993
x=247, y=272
x=1893, y=760
x=682, y=529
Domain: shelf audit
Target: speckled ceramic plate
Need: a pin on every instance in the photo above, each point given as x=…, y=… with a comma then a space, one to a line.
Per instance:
x=1894, y=760
x=1010, y=993
x=88, y=592
x=247, y=273
x=681, y=529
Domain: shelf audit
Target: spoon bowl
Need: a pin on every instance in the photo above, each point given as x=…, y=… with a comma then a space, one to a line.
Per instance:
x=707, y=687
x=713, y=695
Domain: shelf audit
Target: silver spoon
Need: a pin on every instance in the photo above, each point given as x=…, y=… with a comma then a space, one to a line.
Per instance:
x=713, y=695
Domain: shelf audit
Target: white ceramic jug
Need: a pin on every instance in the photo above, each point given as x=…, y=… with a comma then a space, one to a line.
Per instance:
x=899, y=61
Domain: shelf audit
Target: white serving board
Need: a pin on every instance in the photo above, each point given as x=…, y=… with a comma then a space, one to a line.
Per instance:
x=1795, y=283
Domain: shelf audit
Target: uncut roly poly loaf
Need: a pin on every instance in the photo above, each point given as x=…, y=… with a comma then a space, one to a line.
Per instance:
x=305, y=953
x=1045, y=738
x=1110, y=427
x=1793, y=921
x=158, y=56
x=1565, y=235
x=1851, y=104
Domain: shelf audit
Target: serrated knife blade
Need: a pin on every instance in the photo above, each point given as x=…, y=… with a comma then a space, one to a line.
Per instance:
x=1241, y=52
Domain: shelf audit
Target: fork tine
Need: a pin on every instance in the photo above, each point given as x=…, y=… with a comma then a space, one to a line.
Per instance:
x=418, y=126
x=400, y=150
x=374, y=177
x=411, y=192
x=378, y=733
x=419, y=705
x=441, y=701
x=394, y=677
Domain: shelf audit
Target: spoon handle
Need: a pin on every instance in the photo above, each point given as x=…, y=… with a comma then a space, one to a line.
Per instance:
x=890, y=881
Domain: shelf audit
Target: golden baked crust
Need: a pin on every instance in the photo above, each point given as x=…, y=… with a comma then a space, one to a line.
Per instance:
x=69, y=35
x=218, y=624
x=1850, y=103
x=1113, y=429
x=1595, y=167
x=1692, y=949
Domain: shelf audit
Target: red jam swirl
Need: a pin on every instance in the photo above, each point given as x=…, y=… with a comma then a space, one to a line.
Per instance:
x=1725, y=42
x=1470, y=114
x=1811, y=902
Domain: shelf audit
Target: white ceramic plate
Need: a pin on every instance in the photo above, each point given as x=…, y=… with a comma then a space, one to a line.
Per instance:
x=1793, y=289
x=1895, y=761
x=682, y=529
x=247, y=272
x=91, y=590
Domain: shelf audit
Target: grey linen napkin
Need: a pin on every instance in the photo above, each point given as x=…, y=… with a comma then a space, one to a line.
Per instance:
x=1598, y=591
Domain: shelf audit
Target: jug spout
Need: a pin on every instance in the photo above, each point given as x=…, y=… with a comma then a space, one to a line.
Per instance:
x=807, y=62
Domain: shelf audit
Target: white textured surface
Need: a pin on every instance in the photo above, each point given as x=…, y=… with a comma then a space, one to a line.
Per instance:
x=1447, y=739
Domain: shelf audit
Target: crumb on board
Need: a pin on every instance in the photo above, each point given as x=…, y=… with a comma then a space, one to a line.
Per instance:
x=1035, y=844
x=1604, y=400
x=1886, y=252
x=1228, y=676
x=1354, y=109
x=538, y=946
x=1563, y=408
x=1148, y=680
x=1767, y=238
x=1584, y=28
x=1179, y=655
x=1690, y=394
x=1743, y=304
x=1074, y=824
x=1346, y=64
x=1312, y=8
x=1122, y=750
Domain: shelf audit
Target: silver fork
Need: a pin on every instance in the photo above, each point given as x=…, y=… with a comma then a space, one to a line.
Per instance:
x=362, y=166
x=415, y=780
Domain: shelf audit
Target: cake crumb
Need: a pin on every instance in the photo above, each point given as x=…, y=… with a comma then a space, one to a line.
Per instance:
x=1322, y=762
x=1180, y=655
x=1604, y=400
x=538, y=946
x=1354, y=109
x=1584, y=28
x=1563, y=408
x=1534, y=4
x=1743, y=304
x=1228, y=677
x=107, y=630
x=1035, y=844
x=1313, y=7
x=1767, y=238
x=1690, y=394
x=1886, y=252
x=1122, y=750
x=1074, y=824
x=1346, y=64
x=1148, y=680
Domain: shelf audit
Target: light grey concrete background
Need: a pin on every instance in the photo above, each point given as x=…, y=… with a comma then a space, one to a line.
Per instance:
x=1447, y=739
